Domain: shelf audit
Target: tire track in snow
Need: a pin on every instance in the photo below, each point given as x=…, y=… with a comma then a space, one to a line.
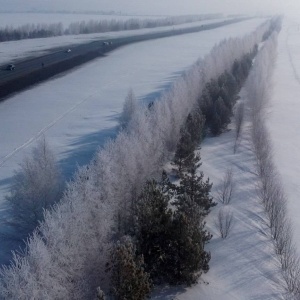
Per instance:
x=41, y=132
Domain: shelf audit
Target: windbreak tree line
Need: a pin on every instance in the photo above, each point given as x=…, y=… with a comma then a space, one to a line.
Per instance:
x=275, y=26
x=32, y=31
x=219, y=95
x=270, y=189
x=167, y=227
x=66, y=256
x=168, y=233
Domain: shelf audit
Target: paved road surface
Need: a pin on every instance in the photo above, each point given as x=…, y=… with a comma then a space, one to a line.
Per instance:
x=31, y=71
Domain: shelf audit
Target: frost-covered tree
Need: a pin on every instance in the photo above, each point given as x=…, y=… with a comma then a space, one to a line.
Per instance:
x=36, y=186
x=270, y=190
x=206, y=104
x=129, y=108
x=239, y=120
x=71, y=249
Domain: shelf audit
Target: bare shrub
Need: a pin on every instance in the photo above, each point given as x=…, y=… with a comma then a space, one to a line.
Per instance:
x=225, y=222
x=277, y=216
x=266, y=189
x=284, y=241
x=262, y=148
x=291, y=274
x=288, y=256
x=227, y=188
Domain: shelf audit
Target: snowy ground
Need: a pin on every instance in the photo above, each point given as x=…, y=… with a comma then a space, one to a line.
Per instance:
x=283, y=119
x=14, y=50
x=78, y=111
x=243, y=265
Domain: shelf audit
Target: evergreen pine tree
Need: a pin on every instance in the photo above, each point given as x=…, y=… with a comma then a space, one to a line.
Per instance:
x=194, y=187
x=195, y=126
x=227, y=100
x=153, y=228
x=206, y=106
x=224, y=111
x=246, y=64
x=128, y=279
x=193, y=203
x=213, y=89
x=189, y=259
x=235, y=70
x=185, y=149
x=231, y=84
x=172, y=242
x=216, y=124
x=221, y=117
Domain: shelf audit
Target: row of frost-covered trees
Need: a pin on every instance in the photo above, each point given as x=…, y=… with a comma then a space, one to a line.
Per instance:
x=269, y=189
x=166, y=226
x=99, y=236
x=31, y=31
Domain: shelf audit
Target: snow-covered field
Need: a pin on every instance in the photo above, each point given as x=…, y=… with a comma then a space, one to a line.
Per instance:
x=78, y=111
x=243, y=265
x=283, y=119
x=14, y=50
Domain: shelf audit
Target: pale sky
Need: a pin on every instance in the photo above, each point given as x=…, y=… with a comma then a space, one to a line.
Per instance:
x=171, y=7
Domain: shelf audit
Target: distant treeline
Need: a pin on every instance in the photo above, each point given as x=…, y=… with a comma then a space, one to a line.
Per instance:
x=31, y=31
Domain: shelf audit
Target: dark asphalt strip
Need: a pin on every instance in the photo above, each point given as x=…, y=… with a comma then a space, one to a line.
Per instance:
x=31, y=71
